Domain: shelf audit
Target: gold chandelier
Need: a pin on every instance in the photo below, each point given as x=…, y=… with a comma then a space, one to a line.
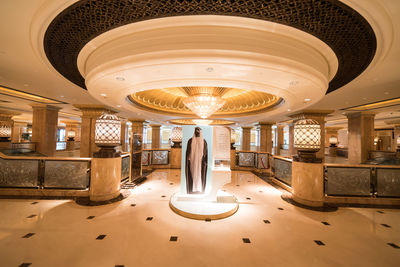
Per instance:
x=204, y=101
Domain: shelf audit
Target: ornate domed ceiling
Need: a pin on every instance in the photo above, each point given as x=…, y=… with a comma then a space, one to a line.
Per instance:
x=238, y=102
x=343, y=29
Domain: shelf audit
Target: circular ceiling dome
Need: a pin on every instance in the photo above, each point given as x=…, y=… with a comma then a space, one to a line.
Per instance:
x=238, y=102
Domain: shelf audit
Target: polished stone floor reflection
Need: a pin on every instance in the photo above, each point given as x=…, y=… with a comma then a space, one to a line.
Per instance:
x=141, y=230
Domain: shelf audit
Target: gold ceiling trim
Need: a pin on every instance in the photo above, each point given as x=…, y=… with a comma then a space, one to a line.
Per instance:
x=239, y=102
x=4, y=90
x=375, y=105
x=190, y=122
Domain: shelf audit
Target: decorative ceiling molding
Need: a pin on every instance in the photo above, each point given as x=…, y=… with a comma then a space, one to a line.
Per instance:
x=348, y=34
x=238, y=102
x=191, y=122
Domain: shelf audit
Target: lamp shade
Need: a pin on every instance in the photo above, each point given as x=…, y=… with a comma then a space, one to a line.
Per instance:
x=5, y=131
x=176, y=134
x=307, y=135
x=107, y=131
x=333, y=140
x=71, y=134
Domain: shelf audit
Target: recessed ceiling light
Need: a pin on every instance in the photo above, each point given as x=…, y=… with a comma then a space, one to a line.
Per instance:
x=120, y=78
x=118, y=106
x=26, y=84
x=294, y=83
x=103, y=95
x=289, y=109
x=307, y=100
x=210, y=69
x=62, y=96
x=386, y=93
x=364, y=98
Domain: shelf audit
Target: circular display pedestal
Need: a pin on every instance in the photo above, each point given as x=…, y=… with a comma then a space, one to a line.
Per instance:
x=200, y=207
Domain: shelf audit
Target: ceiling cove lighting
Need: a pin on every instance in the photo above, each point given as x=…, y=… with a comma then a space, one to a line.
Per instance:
x=4, y=90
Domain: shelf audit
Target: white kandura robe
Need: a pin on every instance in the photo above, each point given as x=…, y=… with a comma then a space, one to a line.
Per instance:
x=196, y=155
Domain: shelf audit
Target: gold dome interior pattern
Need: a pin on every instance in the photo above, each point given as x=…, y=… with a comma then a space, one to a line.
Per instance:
x=239, y=102
x=191, y=122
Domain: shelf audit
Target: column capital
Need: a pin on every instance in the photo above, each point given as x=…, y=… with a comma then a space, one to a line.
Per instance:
x=359, y=114
x=136, y=120
x=247, y=127
x=310, y=114
x=45, y=106
x=91, y=110
x=155, y=126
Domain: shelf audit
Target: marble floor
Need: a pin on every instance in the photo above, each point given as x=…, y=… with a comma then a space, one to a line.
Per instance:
x=141, y=230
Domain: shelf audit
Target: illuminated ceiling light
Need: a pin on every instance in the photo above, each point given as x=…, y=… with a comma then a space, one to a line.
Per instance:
x=120, y=79
x=202, y=122
x=27, y=96
x=307, y=100
x=103, y=95
x=203, y=101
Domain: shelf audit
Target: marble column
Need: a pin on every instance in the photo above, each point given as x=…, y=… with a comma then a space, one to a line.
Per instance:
x=360, y=136
x=396, y=134
x=124, y=134
x=73, y=126
x=291, y=150
x=137, y=128
x=246, y=138
x=17, y=131
x=89, y=115
x=155, y=136
x=44, y=128
x=266, y=137
x=319, y=116
x=278, y=138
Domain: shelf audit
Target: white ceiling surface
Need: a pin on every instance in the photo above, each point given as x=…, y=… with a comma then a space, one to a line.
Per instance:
x=21, y=67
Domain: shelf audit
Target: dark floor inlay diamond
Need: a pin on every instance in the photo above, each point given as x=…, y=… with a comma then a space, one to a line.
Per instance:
x=119, y=265
x=393, y=245
x=133, y=205
x=326, y=223
x=171, y=183
x=319, y=242
x=149, y=218
x=267, y=221
x=280, y=208
x=260, y=191
x=31, y=216
x=148, y=188
x=90, y=217
x=208, y=220
x=248, y=198
x=386, y=225
x=246, y=240
x=25, y=264
x=33, y=203
x=100, y=237
x=379, y=211
x=162, y=196
x=173, y=238
x=238, y=185
x=28, y=235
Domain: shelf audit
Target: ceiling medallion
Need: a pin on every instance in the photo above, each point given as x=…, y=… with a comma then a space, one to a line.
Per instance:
x=204, y=101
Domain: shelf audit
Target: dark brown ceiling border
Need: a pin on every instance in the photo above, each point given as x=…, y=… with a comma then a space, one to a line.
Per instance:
x=343, y=29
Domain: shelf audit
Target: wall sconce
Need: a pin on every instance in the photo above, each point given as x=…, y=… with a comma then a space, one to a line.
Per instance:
x=107, y=136
x=71, y=135
x=333, y=141
x=176, y=137
x=307, y=140
x=5, y=133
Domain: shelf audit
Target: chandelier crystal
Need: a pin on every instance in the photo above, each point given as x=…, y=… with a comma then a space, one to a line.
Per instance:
x=204, y=105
